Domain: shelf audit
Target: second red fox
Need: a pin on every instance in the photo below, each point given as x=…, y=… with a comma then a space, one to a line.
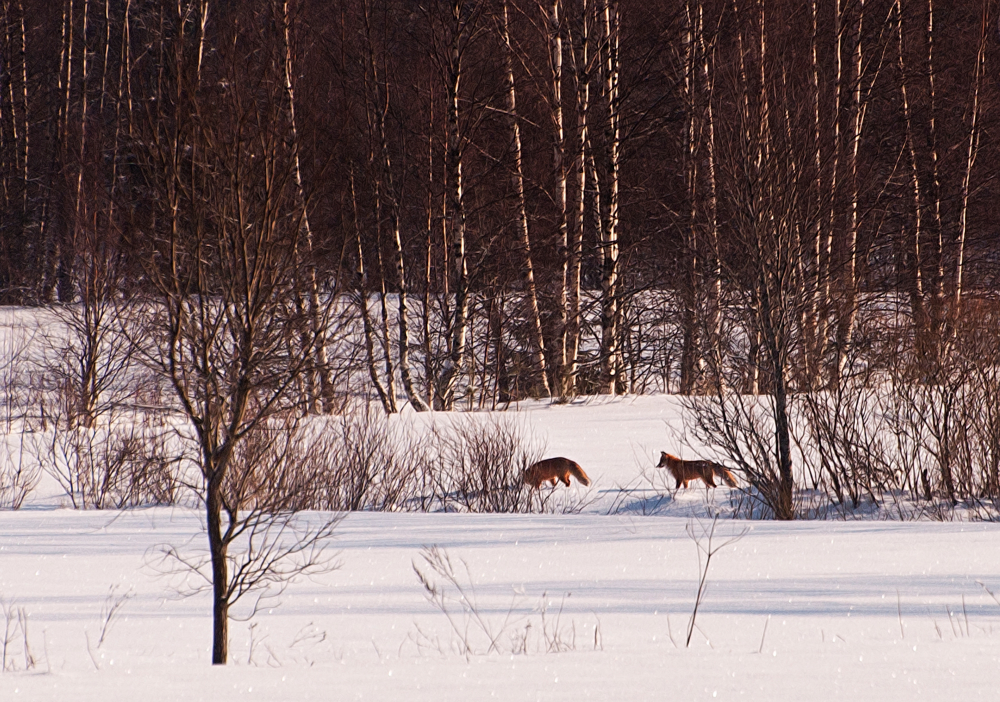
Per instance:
x=553, y=470
x=686, y=471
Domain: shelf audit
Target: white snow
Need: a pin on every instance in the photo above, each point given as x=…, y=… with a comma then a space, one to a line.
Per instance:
x=793, y=611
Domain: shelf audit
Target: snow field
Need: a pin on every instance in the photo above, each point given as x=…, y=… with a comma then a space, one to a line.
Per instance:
x=807, y=610
x=825, y=591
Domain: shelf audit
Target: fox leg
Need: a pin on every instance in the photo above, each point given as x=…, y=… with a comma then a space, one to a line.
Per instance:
x=565, y=479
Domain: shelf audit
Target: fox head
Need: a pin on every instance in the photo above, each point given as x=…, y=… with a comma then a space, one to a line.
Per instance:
x=665, y=459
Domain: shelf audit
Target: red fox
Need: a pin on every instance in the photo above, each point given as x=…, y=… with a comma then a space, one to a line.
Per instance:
x=686, y=471
x=553, y=470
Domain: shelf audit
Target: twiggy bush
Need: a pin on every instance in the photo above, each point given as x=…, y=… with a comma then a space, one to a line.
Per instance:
x=365, y=461
x=477, y=464
x=19, y=472
x=125, y=464
x=348, y=463
x=848, y=449
x=741, y=427
x=371, y=464
x=909, y=429
x=15, y=355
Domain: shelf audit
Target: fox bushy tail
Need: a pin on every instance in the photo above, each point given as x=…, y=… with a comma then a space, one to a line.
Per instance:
x=577, y=472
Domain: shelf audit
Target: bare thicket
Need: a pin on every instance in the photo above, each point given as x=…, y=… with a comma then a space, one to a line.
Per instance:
x=363, y=461
x=123, y=464
x=17, y=343
x=884, y=439
x=87, y=362
x=19, y=472
x=353, y=462
x=477, y=465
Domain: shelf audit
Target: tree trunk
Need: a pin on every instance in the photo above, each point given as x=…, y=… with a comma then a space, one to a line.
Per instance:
x=565, y=380
x=689, y=292
x=316, y=345
x=970, y=159
x=379, y=100
x=522, y=213
x=713, y=273
x=913, y=268
x=369, y=331
x=812, y=269
x=610, y=353
x=849, y=284
x=218, y=548
x=456, y=217
x=581, y=66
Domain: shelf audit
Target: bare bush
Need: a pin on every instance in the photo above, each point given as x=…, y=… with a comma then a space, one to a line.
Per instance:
x=87, y=360
x=125, y=464
x=367, y=461
x=477, y=465
x=370, y=464
x=19, y=473
x=922, y=437
x=15, y=347
x=348, y=463
x=741, y=427
x=849, y=451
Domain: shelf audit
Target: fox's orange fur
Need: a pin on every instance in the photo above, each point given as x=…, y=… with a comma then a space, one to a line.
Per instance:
x=686, y=471
x=553, y=470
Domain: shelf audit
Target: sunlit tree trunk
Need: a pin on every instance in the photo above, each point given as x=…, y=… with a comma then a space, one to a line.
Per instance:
x=317, y=342
x=610, y=316
x=378, y=102
x=455, y=214
x=538, y=337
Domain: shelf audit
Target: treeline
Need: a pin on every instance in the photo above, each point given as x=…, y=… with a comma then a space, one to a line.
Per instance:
x=516, y=198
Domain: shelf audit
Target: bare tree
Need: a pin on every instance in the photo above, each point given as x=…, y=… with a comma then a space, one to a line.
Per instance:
x=761, y=166
x=222, y=266
x=538, y=336
x=377, y=106
x=316, y=338
x=452, y=34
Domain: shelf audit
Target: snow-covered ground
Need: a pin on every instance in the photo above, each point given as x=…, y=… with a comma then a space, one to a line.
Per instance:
x=590, y=605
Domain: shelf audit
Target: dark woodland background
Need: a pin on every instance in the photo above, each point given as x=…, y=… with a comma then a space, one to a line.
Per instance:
x=564, y=197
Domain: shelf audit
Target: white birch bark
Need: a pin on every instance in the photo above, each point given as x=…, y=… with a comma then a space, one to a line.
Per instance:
x=610, y=352
x=522, y=214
